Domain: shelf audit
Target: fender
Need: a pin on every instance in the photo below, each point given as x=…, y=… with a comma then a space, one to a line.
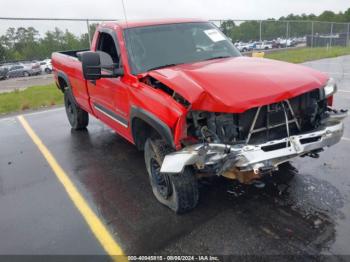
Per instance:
x=63, y=75
x=66, y=79
x=154, y=122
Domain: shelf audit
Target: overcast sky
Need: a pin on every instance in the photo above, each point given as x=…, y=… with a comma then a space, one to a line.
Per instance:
x=143, y=9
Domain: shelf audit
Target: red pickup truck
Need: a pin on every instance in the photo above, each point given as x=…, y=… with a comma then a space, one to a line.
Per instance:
x=181, y=91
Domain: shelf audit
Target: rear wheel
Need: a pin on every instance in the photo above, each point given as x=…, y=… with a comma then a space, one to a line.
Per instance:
x=77, y=117
x=26, y=74
x=179, y=192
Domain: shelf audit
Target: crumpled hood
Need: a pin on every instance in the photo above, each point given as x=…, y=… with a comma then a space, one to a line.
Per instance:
x=237, y=84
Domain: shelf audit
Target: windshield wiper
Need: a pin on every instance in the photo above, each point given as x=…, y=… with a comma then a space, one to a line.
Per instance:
x=162, y=66
x=217, y=57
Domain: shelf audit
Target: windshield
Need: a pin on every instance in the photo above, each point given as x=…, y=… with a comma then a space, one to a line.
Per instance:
x=159, y=46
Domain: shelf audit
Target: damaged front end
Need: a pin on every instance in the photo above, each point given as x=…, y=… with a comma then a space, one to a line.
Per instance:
x=247, y=145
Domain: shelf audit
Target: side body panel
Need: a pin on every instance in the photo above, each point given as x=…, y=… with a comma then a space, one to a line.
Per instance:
x=69, y=69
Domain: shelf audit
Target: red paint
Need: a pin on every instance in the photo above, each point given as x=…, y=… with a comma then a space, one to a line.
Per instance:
x=238, y=84
x=330, y=100
x=231, y=85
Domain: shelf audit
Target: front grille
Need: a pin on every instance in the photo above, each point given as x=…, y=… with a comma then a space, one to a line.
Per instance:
x=261, y=124
x=304, y=113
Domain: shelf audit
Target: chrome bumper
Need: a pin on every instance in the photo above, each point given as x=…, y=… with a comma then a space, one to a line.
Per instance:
x=254, y=157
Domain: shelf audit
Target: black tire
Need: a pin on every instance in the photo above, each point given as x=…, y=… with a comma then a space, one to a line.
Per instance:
x=26, y=74
x=77, y=117
x=285, y=174
x=178, y=192
x=47, y=70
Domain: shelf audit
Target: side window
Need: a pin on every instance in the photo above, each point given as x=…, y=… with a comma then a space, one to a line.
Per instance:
x=106, y=44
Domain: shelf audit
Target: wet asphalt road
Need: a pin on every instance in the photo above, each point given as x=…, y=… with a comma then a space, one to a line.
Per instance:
x=305, y=214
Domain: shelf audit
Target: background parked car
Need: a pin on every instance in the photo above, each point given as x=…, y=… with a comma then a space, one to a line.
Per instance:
x=264, y=45
x=276, y=44
x=33, y=67
x=17, y=71
x=3, y=72
x=27, y=69
x=46, y=66
x=243, y=47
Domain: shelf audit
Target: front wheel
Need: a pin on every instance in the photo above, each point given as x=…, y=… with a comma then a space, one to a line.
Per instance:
x=26, y=74
x=179, y=192
x=77, y=117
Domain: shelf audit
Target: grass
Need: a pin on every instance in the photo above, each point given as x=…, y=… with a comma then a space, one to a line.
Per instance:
x=307, y=54
x=31, y=98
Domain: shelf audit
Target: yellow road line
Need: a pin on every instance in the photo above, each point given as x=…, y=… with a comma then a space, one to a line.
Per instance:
x=95, y=224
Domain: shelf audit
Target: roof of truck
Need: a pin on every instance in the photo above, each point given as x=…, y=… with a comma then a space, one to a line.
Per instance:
x=140, y=23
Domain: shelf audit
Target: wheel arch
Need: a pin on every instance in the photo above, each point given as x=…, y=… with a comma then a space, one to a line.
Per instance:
x=144, y=124
x=63, y=81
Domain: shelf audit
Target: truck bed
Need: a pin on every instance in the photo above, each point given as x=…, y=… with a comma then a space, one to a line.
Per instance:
x=73, y=53
x=66, y=65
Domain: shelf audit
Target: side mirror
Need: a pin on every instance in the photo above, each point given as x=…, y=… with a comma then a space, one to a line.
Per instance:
x=91, y=65
x=94, y=62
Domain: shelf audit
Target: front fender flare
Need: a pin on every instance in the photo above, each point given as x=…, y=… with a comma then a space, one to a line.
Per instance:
x=154, y=122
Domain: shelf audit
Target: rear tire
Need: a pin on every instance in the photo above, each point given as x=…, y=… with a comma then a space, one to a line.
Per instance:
x=26, y=74
x=77, y=117
x=178, y=192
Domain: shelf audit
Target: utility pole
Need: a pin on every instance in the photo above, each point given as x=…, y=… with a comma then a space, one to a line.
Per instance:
x=260, y=30
x=312, y=34
x=330, y=40
x=348, y=36
x=88, y=29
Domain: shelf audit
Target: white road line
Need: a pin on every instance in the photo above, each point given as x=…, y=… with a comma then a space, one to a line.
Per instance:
x=345, y=139
x=33, y=113
x=325, y=63
x=44, y=111
x=336, y=73
x=343, y=91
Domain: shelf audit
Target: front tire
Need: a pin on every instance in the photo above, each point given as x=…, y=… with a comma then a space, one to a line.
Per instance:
x=26, y=74
x=178, y=192
x=77, y=117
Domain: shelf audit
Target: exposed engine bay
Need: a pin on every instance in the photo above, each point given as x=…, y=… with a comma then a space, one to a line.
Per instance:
x=245, y=146
x=249, y=145
x=258, y=125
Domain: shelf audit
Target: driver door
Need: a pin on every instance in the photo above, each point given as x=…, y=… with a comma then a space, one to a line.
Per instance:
x=109, y=96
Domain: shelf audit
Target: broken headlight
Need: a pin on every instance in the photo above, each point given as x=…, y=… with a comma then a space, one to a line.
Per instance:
x=330, y=88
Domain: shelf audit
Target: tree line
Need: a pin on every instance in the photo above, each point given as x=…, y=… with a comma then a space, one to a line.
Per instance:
x=25, y=43
x=297, y=27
